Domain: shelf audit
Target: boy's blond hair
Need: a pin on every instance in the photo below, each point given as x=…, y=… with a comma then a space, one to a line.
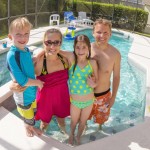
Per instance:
x=20, y=23
x=102, y=21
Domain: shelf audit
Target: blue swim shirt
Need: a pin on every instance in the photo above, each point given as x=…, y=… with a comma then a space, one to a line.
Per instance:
x=22, y=74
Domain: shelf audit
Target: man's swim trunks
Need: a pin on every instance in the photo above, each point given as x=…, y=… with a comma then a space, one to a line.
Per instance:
x=54, y=97
x=101, y=111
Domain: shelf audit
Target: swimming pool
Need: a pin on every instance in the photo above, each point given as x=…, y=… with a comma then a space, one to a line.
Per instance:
x=4, y=75
x=128, y=109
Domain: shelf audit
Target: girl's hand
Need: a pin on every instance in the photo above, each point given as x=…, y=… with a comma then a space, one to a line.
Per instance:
x=91, y=81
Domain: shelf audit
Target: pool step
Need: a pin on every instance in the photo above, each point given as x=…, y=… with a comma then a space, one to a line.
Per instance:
x=5, y=92
x=13, y=136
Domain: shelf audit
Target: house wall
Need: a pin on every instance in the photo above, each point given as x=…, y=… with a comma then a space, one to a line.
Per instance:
x=147, y=28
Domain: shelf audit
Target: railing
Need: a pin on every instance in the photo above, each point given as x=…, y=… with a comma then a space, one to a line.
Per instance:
x=37, y=11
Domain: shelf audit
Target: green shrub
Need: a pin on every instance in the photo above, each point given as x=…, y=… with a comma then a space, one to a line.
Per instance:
x=122, y=16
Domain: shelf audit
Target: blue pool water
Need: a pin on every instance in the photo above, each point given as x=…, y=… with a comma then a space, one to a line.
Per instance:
x=128, y=109
x=4, y=75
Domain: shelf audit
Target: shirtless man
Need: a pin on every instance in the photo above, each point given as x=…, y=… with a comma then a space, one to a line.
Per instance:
x=108, y=59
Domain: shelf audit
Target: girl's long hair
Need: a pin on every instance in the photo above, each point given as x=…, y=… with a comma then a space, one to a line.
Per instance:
x=81, y=38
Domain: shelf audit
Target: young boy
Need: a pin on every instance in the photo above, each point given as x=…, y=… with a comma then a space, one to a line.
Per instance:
x=21, y=68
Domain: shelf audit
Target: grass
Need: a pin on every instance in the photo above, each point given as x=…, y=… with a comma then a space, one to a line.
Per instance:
x=139, y=33
x=143, y=34
x=3, y=37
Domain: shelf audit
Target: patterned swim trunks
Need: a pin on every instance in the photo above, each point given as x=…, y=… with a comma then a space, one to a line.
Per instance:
x=101, y=111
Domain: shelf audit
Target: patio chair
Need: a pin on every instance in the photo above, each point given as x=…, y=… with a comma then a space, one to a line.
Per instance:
x=54, y=18
x=82, y=15
x=70, y=19
x=85, y=20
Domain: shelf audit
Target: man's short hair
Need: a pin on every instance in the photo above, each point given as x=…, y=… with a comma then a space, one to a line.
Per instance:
x=102, y=21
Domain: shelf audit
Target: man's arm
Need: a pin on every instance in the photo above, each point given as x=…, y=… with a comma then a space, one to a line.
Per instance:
x=116, y=78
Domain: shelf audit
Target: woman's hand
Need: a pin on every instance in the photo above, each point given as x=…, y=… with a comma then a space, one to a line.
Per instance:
x=40, y=84
x=15, y=87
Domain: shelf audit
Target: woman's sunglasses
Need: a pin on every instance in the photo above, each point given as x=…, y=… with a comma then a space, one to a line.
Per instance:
x=50, y=43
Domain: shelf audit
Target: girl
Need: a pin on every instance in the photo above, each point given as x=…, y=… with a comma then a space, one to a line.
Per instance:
x=52, y=69
x=82, y=81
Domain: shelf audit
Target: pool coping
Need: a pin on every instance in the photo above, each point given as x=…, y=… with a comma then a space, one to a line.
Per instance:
x=132, y=138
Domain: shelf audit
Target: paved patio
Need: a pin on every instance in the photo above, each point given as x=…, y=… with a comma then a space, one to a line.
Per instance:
x=12, y=134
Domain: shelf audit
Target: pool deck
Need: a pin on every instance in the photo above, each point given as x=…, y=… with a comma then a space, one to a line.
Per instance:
x=12, y=133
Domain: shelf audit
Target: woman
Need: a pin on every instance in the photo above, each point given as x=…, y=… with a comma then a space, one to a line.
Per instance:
x=52, y=69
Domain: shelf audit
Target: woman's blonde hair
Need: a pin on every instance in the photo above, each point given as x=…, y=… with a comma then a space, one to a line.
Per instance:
x=20, y=23
x=53, y=30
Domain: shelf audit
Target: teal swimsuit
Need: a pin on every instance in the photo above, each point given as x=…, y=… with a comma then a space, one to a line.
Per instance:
x=78, y=84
